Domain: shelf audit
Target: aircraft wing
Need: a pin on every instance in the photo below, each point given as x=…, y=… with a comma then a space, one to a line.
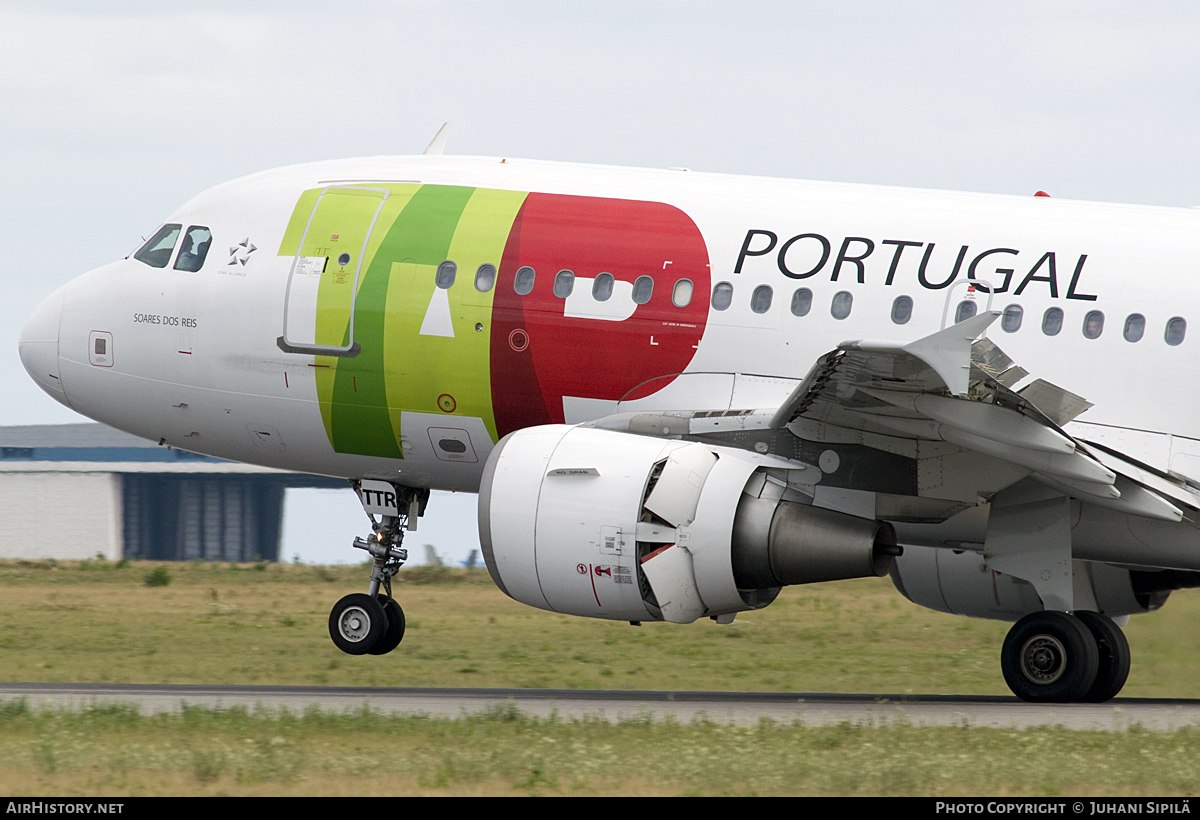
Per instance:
x=934, y=421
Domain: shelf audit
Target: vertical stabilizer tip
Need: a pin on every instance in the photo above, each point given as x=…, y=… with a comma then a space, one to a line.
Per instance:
x=437, y=146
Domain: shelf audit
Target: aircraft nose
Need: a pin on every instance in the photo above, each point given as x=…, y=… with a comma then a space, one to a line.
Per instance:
x=38, y=346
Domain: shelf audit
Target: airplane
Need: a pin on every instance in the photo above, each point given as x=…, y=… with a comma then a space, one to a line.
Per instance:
x=678, y=392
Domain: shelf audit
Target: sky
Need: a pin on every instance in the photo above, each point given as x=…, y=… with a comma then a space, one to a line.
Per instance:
x=114, y=114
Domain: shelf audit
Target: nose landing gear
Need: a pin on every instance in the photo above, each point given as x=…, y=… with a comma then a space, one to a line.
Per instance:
x=373, y=623
x=360, y=625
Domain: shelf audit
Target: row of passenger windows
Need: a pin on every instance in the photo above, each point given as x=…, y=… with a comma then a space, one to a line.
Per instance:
x=1010, y=321
x=802, y=301
x=902, y=311
x=1093, y=324
x=564, y=284
x=158, y=250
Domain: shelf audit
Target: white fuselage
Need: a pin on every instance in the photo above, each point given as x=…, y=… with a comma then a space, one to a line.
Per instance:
x=191, y=358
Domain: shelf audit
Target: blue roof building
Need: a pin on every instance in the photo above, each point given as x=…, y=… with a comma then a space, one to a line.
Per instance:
x=73, y=491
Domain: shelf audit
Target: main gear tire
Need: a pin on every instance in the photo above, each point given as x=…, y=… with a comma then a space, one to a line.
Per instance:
x=1114, y=657
x=1050, y=657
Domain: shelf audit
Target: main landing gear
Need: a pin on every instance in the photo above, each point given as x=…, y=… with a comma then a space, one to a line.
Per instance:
x=373, y=623
x=1055, y=657
x=1051, y=656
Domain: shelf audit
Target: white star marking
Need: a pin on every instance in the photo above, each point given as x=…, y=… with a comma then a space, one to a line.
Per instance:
x=239, y=253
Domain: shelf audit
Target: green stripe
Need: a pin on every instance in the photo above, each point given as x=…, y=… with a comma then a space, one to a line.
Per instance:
x=420, y=369
x=421, y=233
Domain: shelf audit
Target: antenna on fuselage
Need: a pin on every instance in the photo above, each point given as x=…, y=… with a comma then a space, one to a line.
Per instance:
x=437, y=146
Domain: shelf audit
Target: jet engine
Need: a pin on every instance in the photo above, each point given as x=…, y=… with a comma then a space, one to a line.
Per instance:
x=613, y=525
x=960, y=583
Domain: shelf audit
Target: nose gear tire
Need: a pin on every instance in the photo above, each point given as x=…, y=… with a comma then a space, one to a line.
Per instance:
x=357, y=624
x=395, y=626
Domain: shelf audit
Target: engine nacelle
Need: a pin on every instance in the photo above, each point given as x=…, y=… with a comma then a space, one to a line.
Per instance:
x=607, y=524
x=959, y=582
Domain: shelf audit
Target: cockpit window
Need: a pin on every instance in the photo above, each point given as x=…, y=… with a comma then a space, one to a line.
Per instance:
x=195, y=247
x=158, y=249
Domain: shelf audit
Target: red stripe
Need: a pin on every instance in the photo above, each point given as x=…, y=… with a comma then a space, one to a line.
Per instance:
x=592, y=573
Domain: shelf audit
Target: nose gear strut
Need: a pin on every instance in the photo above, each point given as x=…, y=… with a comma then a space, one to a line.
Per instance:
x=374, y=623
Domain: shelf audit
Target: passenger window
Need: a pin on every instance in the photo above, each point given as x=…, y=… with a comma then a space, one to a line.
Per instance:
x=842, y=303
x=643, y=287
x=157, y=251
x=681, y=295
x=602, y=288
x=523, y=281
x=722, y=296
x=564, y=283
x=1052, y=321
x=801, y=302
x=1093, y=324
x=445, y=274
x=965, y=310
x=760, y=300
x=1135, y=327
x=1010, y=322
x=1176, y=329
x=485, y=278
x=902, y=310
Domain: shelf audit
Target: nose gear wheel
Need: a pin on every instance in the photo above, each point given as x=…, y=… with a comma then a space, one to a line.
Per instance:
x=395, y=627
x=373, y=623
x=357, y=624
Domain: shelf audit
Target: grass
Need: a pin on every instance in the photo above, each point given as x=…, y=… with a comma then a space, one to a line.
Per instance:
x=117, y=751
x=97, y=621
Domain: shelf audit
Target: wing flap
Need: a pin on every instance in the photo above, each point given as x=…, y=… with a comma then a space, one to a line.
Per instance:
x=937, y=418
x=952, y=387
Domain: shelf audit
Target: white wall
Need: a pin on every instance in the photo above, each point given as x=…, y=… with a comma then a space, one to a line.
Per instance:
x=60, y=515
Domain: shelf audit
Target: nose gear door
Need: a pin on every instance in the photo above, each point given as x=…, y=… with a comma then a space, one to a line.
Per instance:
x=318, y=305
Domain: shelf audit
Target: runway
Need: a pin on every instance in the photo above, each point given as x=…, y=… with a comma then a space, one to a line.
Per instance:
x=741, y=708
